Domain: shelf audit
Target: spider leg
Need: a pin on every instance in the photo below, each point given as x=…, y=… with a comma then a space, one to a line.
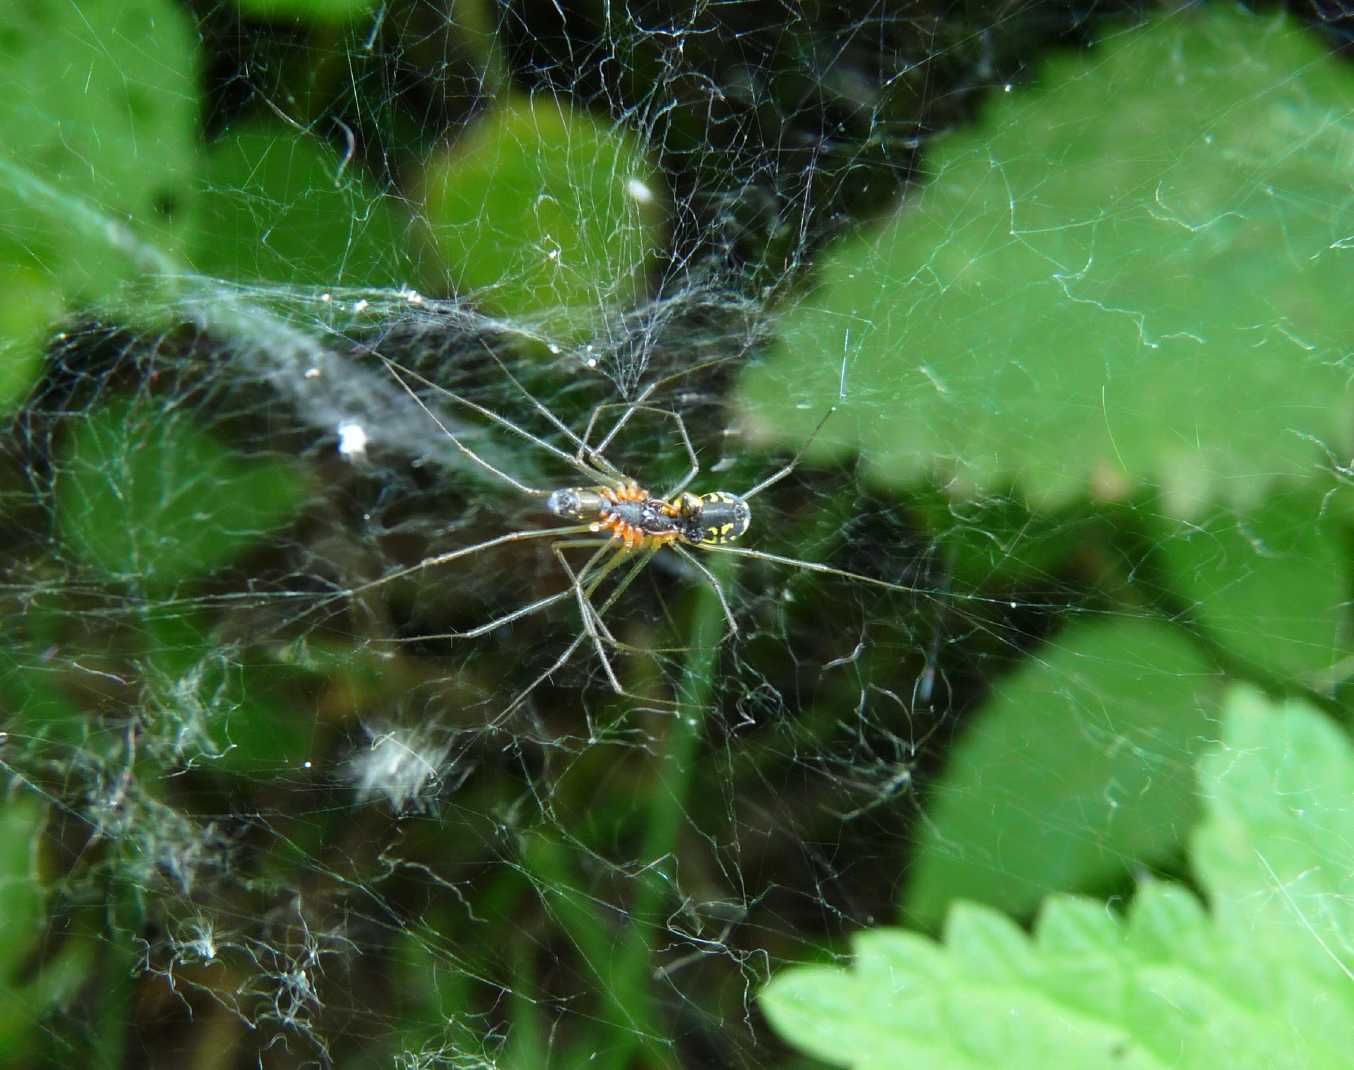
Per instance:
x=588, y=573
x=403, y=374
x=465, y=551
x=631, y=407
x=599, y=462
x=484, y=629
x=713, y=580
x=636, y=406
x=695, y=469
x=776, y=477
x=586, y=610
x=625, y=581
x=555, y=666
x=593, y=578
x=532, y=607
x=808, y=566
x=596, y=453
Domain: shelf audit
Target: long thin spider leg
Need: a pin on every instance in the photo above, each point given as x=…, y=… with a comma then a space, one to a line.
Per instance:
x=529, y=609
x=808, y=566
x=713, y=580
x=485, y=629
x=585, y=573
x=465, y=551
x=603, y=465
x=630, y=407
x=585, y=611
x=586, y=608
x=633, y=407
x=596, y=457
x=600, y=621
x=596, y=453
x=555, y=666
x=695, y=462
x=578, y=641
x=590, y=574
x=594, y=580
x=776, y=477
x=400, y=372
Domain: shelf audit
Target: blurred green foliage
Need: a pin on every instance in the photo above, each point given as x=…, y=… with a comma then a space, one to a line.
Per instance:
x=1078, y=762
x=1270, y=583
x=152, y=501
x=540, y=210
x=1106, y=335
x=32, y=305
x=97, y=152
x=320, y=12
x=271, y=208
x=24, y=997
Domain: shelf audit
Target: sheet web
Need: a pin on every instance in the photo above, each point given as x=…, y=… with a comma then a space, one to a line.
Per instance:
x=292, y=816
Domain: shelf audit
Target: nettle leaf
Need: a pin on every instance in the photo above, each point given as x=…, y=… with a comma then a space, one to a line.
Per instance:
x=1075, y=771
x=150, y=499
x=545, y=209
x=1271, y=584
x=1132, y=272
x=279, y=206
x=1277, y=851
x=1260, y=982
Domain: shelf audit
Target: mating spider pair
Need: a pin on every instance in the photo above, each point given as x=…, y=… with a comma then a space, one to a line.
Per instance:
x=621, y=522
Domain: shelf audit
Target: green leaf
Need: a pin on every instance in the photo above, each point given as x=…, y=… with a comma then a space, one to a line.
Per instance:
x=544, y=210
x=991, y=539
x=1270, y=584
x=1132, y=272
x=31, y=305
x=278, y=206
x=1253, y=985
x=322, y=12
x=23, y=998
x=21, y=892
x=235, y=706
x=151, y=500
x=1074, y=772
x=1277, y=851
x=98, y=136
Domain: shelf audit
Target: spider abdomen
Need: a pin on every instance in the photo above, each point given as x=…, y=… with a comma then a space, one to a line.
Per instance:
x=715, y=517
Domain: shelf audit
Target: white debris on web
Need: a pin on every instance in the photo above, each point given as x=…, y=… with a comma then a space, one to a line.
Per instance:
x=402, y=767
x=352, y=441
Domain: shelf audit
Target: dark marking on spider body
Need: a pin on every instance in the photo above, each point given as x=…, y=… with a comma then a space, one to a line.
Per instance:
x=633, y=516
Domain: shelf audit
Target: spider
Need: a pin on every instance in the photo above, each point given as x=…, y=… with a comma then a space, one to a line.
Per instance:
x=623, y=523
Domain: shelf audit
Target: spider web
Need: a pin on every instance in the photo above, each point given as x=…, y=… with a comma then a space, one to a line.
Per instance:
x=289, y=817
